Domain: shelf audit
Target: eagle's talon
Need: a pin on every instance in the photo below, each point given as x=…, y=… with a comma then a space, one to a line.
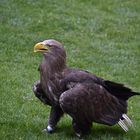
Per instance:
x=79, y=136
x=49, y=129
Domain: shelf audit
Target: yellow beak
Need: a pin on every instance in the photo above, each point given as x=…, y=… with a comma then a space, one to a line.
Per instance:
x=40, y=47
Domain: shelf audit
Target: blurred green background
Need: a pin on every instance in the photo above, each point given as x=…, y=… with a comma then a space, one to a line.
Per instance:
x=100, y=36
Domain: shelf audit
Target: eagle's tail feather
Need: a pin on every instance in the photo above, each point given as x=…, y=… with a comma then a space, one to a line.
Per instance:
x=125, y=122
x=123, y=125
x=119, y=90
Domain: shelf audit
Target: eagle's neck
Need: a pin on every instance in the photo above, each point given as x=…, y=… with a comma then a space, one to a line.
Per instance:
x=53, y=64
x=51, y=73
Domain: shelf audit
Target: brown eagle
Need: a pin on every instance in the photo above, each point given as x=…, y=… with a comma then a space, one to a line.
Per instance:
x=78, y=93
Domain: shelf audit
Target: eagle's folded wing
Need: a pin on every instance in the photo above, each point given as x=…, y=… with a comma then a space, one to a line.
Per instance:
x=87, y=102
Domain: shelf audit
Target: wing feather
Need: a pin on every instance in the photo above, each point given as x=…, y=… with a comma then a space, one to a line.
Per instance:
x=92, y=102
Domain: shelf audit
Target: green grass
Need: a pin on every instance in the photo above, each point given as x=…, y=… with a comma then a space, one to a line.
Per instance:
x=102, y=37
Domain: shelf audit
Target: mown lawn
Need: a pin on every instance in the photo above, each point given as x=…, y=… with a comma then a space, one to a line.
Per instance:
x=100, y=36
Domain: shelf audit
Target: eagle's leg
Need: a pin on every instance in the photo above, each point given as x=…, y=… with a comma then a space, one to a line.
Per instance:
x=77, y=130
x=70, y=106
x=81, y=129
x=55, y=115
x=37, y=89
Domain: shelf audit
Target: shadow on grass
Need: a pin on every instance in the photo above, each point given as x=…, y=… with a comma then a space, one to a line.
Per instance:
x=31, y=130
x=97, y=131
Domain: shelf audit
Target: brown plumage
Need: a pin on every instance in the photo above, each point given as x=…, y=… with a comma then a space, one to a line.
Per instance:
x=82, y=95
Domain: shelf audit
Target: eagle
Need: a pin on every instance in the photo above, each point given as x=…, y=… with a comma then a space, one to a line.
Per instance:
x=85, y=97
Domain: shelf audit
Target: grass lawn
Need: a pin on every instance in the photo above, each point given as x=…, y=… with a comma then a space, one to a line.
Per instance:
x=102, y=37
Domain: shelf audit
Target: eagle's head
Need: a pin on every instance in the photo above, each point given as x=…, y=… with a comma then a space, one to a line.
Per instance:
x=48, y=46
x=53, y=52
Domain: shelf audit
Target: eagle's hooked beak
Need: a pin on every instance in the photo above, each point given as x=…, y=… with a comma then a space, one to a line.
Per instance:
x=40, y=47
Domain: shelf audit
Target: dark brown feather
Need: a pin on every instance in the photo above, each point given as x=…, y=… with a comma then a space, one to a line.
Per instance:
x=119, y=90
